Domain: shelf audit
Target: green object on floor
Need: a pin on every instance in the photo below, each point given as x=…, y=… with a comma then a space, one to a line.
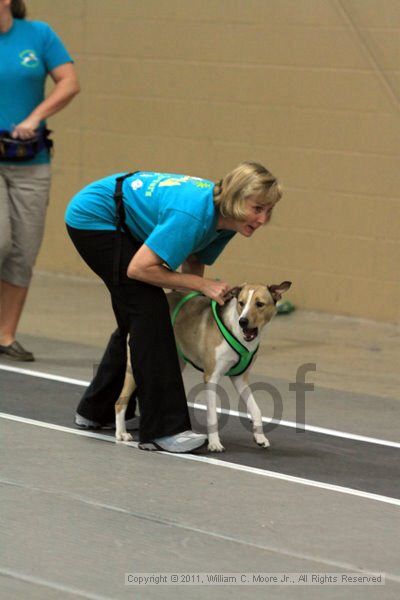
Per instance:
x=285, y=307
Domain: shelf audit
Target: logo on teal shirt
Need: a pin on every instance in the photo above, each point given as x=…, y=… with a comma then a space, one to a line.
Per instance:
x=29, y=59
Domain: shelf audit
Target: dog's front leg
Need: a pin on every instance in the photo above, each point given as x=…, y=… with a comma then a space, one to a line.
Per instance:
x=121, y=435
x=242, y=387
x=211, y=388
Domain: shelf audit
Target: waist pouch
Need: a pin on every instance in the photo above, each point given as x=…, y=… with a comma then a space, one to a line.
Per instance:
x=22, y=150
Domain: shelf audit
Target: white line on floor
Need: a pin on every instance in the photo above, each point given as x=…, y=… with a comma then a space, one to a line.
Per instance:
x=42, y=375
x=215, y=462
x=233, y=413
x=53, y=585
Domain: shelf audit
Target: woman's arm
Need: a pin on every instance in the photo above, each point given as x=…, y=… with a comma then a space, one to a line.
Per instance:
x=147, y=266
x=66, y=87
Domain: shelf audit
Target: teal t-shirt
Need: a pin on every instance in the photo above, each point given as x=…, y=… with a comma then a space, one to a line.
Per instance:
x=28, y=51
x=173, y=214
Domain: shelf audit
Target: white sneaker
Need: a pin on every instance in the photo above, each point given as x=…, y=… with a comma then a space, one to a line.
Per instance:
x=185, y=441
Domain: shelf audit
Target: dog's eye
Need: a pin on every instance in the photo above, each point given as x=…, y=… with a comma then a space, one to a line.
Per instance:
x=241, y=303
x=260, y=304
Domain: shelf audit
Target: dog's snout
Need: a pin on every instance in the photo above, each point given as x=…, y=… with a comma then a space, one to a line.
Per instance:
x=243, y=322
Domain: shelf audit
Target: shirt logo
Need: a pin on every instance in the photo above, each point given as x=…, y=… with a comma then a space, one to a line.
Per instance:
x=29, y=59
x=136, y=184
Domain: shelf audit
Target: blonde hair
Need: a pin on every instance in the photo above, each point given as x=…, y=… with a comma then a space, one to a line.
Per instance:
x=18, y=9
x=246, y=180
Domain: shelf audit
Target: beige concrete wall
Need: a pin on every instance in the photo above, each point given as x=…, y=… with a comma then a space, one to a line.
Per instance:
x=310, y=88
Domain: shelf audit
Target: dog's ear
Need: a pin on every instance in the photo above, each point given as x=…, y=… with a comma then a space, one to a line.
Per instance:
x=234, y=292
x=276, y=291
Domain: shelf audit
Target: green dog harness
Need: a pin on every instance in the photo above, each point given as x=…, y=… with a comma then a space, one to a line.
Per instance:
x=245, y=356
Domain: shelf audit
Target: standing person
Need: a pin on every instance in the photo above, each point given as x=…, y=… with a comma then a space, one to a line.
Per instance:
x=168, y=220
x=29, y=51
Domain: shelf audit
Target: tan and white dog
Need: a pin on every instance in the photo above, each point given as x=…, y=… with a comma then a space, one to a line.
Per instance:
x=245, y=313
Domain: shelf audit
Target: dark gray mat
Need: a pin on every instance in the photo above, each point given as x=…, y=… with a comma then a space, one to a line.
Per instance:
x=359, y=465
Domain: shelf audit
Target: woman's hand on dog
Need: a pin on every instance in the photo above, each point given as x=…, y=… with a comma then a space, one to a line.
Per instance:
x=216, y=290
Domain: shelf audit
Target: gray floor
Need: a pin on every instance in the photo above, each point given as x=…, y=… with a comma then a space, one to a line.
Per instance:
x=319, y=456
x=78, y=512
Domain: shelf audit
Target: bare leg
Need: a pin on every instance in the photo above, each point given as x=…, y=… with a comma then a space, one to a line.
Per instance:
x=12, y=300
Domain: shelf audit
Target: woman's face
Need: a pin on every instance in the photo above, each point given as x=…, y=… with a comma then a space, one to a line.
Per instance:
x=257, y=214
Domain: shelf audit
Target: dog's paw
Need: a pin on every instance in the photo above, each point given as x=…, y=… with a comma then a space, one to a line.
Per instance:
x=215, y=447
x=261, y=440
x=214, y=443
x=123, y=437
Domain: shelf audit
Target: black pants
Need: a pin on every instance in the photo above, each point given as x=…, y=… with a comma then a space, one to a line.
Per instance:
x=142, y=311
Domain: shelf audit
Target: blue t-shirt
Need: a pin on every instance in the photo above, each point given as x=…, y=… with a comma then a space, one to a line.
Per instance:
x=173, y=214
x=28, y=51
